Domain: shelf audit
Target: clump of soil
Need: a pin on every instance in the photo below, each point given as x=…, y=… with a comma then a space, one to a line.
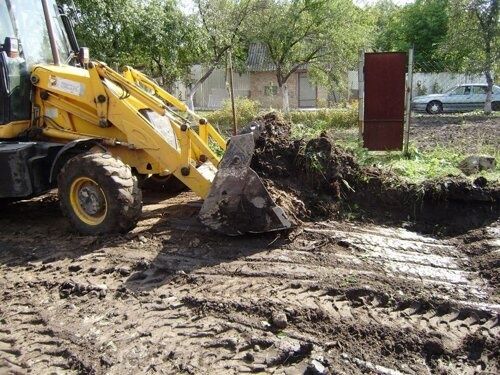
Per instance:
x=308, y=179
x=316, y=180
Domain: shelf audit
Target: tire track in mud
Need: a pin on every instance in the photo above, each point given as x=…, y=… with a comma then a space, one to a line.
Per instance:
x=28, y=344
x=256, y=284
x=197, y=303
x=359, y=304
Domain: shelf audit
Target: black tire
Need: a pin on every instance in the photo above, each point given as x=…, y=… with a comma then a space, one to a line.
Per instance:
x=166, y=184
x=110, y=183
x=435, y=107
x=495, y=106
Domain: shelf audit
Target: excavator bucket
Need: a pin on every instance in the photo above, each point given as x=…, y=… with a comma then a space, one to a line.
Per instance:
x=238, y=201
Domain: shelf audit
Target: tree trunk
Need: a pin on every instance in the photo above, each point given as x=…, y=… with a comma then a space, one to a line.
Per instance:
x=193, y=88
x=286, y=101
x=190, y=98
x=489, y=92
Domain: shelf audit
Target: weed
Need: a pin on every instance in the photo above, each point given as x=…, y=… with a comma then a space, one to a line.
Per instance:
x=246, y=110
x=308, y=124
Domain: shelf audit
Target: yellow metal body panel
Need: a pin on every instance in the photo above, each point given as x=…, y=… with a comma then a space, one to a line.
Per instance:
x=74, y=103
x=13, y=129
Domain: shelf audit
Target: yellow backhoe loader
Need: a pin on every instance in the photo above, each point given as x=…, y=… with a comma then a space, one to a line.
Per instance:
x=70, y=123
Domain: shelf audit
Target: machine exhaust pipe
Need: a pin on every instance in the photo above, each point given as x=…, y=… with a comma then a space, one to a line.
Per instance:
x=50, y=30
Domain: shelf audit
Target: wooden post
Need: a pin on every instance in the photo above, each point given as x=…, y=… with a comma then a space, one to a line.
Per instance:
x=409, y=91
x=361, y=94
x=231, y=91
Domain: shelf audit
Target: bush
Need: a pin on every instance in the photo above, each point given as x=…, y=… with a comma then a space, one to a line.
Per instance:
x=306, y=124
x=310, y=123
x=246, y=110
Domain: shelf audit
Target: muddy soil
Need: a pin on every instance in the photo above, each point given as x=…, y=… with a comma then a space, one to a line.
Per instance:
x=172, y=297
x=317, y=180
x=338, y=294
x=468, y=132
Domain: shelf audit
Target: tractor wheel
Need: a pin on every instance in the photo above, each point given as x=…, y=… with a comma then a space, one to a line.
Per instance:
x=166, y=184
x=99, y=194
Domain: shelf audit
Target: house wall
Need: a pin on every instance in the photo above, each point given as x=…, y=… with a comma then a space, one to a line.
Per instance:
x=214, y=90
x=258, y=83
x=322, y=98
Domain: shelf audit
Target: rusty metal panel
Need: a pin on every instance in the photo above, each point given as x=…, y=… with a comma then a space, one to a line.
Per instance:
x=384, y=100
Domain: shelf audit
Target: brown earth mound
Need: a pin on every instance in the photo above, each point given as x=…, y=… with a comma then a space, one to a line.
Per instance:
x=316, y=180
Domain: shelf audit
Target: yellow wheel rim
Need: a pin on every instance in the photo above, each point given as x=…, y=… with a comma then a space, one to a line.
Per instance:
x=88, y=201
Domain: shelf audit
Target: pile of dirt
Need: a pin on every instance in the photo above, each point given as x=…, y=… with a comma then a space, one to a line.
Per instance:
x=316, y=180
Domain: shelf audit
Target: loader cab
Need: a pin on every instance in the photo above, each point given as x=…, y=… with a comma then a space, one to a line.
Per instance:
x=24, y=42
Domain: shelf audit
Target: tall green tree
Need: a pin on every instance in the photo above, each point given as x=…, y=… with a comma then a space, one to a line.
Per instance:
x=222, y=25
x=323, y=35
x=152, y=35
x=474, y=39
x=106, y=27
x=422, y=25
x=163, y=40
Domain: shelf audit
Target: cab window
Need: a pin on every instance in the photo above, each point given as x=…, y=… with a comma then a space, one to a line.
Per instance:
x=15, y=101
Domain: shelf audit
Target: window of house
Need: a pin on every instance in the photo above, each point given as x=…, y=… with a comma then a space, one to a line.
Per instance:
x=271, y=89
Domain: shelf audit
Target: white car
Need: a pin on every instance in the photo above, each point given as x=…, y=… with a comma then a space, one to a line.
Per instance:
x=462, y=98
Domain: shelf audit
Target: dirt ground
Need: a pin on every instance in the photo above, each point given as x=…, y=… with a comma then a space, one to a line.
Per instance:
x=338, y=297
x=172, y=297
x=470, y=133
x=467, y=132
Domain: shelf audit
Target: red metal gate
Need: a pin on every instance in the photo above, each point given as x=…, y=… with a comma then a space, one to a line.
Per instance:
x=384, y=100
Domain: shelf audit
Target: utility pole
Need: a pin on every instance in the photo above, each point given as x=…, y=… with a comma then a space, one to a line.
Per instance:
x=231, y=91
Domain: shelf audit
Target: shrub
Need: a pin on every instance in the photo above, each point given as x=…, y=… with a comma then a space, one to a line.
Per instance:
x=311, y=123
x=306, y=124
x=246, y=110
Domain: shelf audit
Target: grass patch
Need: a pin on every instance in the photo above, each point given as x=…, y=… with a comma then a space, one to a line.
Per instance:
x=419, y=166
x=310, y=124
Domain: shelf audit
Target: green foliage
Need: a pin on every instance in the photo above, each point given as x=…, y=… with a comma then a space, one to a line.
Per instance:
x=246, y=110
x=324, y=34
x=106, y=27
x=473, y=40
x=154, y=36
x=307, y=124
x=422, y=24
x=223, y=26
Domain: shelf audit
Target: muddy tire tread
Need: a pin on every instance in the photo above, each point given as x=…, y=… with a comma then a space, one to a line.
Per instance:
x=125, y=204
